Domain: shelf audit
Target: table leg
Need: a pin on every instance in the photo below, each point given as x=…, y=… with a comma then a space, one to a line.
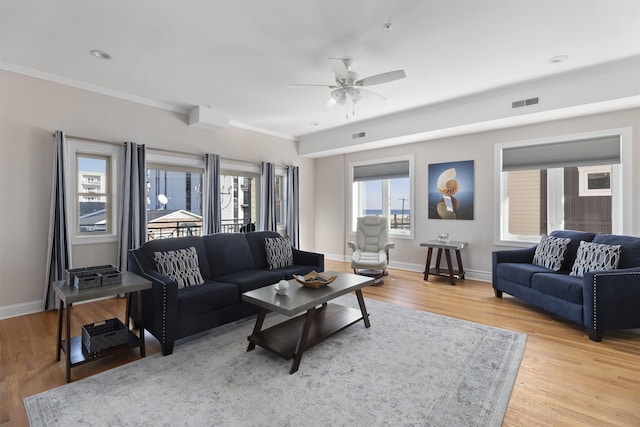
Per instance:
x=68, y=342
x=143, y=350
x=460, y=268
x=438, y=258
x=258, y=326
x=127, y=310
x=363, y=308
x=452, y=278
x=302, y=341
x=427, y=265
x=60, y=314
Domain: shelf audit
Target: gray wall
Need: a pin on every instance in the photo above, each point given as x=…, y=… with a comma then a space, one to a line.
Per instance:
x=31, y=109
x=332, y=189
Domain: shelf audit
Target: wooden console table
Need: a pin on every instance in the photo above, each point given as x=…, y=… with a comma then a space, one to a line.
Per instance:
x=75, y=354
x=446, y=247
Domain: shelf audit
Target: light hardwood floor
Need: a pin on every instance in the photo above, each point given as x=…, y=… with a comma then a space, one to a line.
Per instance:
x=564, y=379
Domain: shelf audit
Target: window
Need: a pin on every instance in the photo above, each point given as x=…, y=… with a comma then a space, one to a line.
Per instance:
x=93, y=189
x=239, y=193
x=384, y=188
x=174, y=201
x=541, y=185
x=240, y=196
x=93, y=194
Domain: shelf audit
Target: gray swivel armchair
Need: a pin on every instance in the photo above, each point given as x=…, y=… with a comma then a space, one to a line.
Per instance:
x=371, y=248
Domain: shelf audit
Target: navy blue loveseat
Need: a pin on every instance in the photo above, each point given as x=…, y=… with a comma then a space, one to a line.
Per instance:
x=229, y=263
x=600, y=300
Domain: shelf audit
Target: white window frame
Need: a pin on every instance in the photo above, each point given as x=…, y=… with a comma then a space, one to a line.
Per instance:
x=240, y=168
x=114, y=153
x=281, y=226
x=353, y=205
x=621, y=182
x=583, y=181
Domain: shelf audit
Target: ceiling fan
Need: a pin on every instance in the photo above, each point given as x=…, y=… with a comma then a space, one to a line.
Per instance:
x=349, y=88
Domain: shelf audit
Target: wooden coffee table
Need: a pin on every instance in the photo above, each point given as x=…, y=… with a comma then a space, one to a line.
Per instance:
x=318, y=321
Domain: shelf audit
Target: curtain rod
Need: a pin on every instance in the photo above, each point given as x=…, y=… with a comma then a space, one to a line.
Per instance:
x=81, y=138
x=101, y=141
x=164, y=150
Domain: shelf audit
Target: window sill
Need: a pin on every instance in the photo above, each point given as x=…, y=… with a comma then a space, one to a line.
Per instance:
x=92, y=240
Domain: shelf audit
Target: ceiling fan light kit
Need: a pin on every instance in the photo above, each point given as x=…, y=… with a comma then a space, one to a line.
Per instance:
x=348, y=87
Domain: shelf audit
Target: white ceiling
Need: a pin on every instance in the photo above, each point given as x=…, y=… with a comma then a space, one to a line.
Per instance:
x=238, y=56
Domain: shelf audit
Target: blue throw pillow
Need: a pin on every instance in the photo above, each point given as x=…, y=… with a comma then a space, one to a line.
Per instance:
x=550, y=252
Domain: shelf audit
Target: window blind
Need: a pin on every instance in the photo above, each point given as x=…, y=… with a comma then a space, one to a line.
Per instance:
x=389, y=170
x=586, y=152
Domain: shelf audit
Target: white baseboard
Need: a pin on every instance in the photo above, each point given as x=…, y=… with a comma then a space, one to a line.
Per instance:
x=21, y=309
x=481, y=276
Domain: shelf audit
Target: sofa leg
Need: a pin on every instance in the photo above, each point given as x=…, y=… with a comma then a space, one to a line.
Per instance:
x=595, y=335
x=167, y=348
x=498, y=293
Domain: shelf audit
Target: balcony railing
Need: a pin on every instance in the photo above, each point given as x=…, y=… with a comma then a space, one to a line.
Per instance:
x=167, y=229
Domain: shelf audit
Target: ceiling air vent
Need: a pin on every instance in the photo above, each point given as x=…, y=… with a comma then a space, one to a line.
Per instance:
x=358, y=135
x=525, y=102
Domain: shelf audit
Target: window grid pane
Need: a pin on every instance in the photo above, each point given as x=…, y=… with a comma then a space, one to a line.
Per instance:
x=174, y=203
x=93, y=194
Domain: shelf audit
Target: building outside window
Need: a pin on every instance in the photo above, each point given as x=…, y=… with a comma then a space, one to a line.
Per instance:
x=239, y=193
x=93, y=194
x=384, y=188
x=174, y=201
x=566, y=183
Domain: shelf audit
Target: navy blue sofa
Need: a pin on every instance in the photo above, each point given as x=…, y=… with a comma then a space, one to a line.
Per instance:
x=600, y=300
x=230, y=264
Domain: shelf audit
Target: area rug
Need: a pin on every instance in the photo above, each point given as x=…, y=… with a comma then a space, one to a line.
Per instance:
x=411, y=368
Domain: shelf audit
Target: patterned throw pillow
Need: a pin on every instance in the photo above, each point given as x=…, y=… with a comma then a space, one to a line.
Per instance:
x=550, y=252
x=279, y=253
x=180, y=266
x=595, y=257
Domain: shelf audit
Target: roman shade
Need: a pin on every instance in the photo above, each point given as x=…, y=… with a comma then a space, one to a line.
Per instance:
x=585, y=152
x=389, y=170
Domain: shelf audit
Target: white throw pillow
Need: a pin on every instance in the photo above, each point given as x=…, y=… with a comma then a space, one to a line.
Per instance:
x=180, y=266
x=595, y=257
x=279, y=252
x=550, y=252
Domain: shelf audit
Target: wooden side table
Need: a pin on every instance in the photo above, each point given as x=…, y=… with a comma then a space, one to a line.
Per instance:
x=75, y=354
x=446, y=247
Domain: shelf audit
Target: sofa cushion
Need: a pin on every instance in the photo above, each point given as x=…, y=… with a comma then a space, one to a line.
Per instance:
x=595, y=257
x=279, y=253
x=629, y=248
x=563, y=286
x=249, y=280
x=227, y=253
x=180, y=265
x=517, y=272
x=576, y=237
x=550, y=252
x=206, y=297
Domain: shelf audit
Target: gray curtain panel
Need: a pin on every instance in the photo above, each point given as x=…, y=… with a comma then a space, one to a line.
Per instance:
x=211, y=209
x=293, y=206
x=268, y=195
x=133, y=202
x=59, y=248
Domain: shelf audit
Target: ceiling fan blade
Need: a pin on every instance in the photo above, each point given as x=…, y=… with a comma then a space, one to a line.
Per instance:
x=381, y=78
x=339, y=68
x=370, y=96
